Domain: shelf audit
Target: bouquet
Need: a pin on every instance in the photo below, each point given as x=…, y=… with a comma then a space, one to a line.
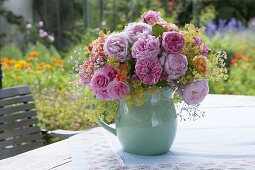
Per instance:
x=149, y=55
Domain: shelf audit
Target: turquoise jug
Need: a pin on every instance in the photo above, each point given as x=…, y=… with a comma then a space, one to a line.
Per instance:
x=148, y=129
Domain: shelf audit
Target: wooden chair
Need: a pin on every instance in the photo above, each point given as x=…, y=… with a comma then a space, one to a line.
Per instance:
x=19, y=130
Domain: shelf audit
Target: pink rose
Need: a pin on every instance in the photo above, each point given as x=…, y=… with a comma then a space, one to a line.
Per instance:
x=172, y=42
x=99, y=81
x=205, y=49
x=101, y=94
x=118, y=89
x=195, y=92
x=146, y=47
x=151, y=17
x=116, y=46
x=148, y=70
x=198, y=41
x=175, y=65
x=109, y=72
x=137, y=30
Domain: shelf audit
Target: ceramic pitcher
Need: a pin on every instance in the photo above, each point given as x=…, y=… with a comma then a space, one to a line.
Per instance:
x=148, y=129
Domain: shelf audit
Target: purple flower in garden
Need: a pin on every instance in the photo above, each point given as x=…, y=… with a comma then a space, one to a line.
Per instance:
x=172, y=42
x=137, y=30
x=109, y=72
x=198, y=41
x=195, y=92
x=118, y=89
x=99, y=81
x=146, y=47
x=205, y=49
x=116, y=46
x=211, y=28
x=175, y=65
x=151, y=17
x=101, y=94
x=148, y=70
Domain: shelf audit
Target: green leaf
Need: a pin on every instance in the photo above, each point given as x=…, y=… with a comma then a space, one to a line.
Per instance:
x=157, y=30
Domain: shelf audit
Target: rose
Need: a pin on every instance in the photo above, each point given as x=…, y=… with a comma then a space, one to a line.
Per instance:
x=118, y=89
x=167, y=26
x=146, y=47
x=109, y=72
x=198, y=41
x=175, y=65
x=205, y=49
x=148, y=70
x=151, y=17
x=195, y=92
x=200, y=63
x=101, y=94
x=99, y=81
x=137, y=30
x=116, y=46
x=172, y=42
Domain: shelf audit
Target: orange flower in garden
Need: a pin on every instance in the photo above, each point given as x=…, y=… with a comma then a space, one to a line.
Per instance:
x=30, y=58
x=34, y=53
x=58, y=63
x=200, y=63
x=246, y=59
x=48, y=67
x=4, y=60
x=12, y=62
x=238, y=54
x=122, y=75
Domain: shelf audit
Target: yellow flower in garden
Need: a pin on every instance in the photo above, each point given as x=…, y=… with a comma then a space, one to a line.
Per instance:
x=200, y=63
x=12, y=62
x=17, y=67
x=23, y=63
x=48, y=67
x=38, y=67
x=34, y=53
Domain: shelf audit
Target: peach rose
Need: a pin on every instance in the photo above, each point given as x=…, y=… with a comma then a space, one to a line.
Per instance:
x=200, y=63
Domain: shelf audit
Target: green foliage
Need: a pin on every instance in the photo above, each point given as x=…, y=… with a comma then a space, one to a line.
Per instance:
x=157, y=30
x=11, y=51
x=207, y=14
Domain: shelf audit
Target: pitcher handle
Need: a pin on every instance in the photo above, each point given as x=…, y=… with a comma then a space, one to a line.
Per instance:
x=106, y=126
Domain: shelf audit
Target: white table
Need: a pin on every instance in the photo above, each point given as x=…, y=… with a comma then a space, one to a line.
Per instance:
x=234, y=113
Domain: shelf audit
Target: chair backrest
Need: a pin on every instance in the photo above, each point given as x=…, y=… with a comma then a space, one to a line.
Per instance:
x=18, y=122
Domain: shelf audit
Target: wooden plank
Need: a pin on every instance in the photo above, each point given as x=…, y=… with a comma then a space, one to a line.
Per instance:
x=13, y=117
x=20, y=124
x=19, y=132
x=10, y=92
x=22, y=139
x=45, y=157
x=19, y=149
x=23, y=107
x=19, y=99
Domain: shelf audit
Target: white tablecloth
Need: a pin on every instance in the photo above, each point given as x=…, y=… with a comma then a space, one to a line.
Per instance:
x=223, y=139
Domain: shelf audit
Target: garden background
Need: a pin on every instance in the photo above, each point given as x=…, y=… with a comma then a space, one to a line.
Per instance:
x=43, y=41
